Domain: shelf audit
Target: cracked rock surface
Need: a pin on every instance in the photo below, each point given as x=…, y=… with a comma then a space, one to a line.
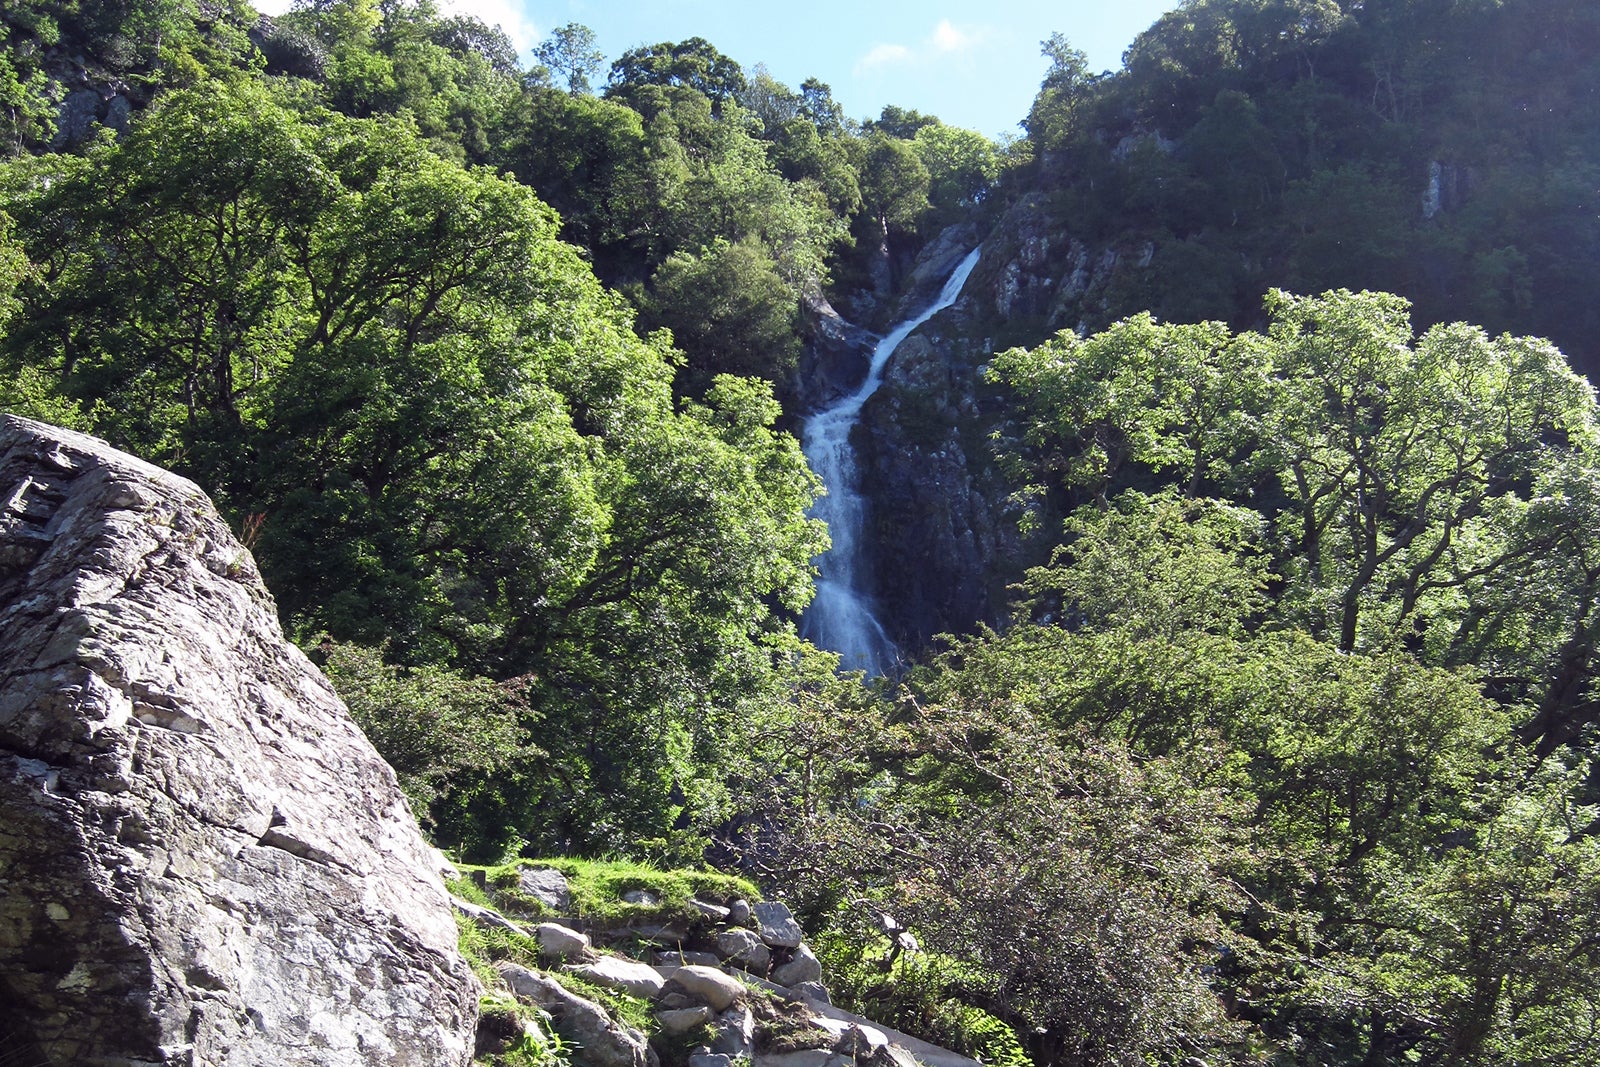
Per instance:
x=202, y=860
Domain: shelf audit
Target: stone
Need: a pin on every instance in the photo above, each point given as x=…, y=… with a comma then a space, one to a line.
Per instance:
x=202, y=860
x=745, y=949
x=486, y=916
x=707, y=1058
x=561, y=942
x=736, y=1032
x=546, y=885
x=631, y=976
x=806, y=1057
x=862, y=1041
x=739, y=912
x=802, y=967
x=776, y=925
x=644, y=897
x=709, y=986
x=715, y=912
x=605, y=1041
x=812, y=991
x=681, y=1020
x=903, y=1050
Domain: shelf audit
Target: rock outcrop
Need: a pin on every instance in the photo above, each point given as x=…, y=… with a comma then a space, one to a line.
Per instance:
x=202, y=861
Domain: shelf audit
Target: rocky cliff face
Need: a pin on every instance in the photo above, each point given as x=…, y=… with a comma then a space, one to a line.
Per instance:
x=202, y=861
x=944, y=538
x=942, y=543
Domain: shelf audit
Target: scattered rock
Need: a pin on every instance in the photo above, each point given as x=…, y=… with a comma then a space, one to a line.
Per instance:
x=645, y=897
x=548, y=886
x=777, y=925
x=803, y=968
x=862, y=1041
x=815, y=992
x=677, y=1021
x=640, y=979
x=739, y=912
x=709, y=985
x=486, y=916
x=676, y=1000
x=736, y=1032
x=218, y=867
x=560, y=942
x=806, y=1057
x=605, y=1041
x=707, y=1058
x=715, y=912
x=744, y=949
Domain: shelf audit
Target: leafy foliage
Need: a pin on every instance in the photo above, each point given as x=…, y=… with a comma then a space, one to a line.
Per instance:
x=457, y=440
x=1434, y=150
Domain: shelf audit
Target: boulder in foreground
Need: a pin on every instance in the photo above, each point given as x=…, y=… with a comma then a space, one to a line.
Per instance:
x=202, y=860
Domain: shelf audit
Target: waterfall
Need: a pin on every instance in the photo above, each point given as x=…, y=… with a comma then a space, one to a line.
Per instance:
x=840, y=618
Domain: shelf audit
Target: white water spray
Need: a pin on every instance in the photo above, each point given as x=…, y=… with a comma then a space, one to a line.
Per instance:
x=840, y=618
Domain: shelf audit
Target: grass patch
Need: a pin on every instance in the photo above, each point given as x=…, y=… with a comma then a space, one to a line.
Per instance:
x=785, y=1027
x=597, y=888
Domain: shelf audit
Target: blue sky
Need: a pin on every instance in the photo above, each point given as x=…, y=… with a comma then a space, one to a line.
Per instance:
x=972, y=64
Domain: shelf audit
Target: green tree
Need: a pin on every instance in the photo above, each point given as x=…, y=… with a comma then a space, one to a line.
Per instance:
x=818, y=107
x=1140, y=395
x=435, y=727
x=570, y=52
x=692, y=64
x=589, y=159
x=901, y=123
x=1391, y=452
x=1056, y=113
x=962, y=166
x=457, y=440
x=894, y=183
x=730, y=310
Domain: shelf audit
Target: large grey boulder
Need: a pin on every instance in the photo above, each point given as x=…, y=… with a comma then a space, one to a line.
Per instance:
x=561, y=942
x=202, y=860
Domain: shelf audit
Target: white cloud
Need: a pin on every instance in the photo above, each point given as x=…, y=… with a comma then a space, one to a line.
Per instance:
x=883, y=55
x=946, y=39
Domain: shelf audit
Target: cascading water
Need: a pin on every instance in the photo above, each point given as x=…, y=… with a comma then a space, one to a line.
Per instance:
x=840, y=618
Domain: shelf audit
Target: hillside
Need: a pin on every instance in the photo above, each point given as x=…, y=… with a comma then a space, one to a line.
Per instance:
x=1250, y=479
